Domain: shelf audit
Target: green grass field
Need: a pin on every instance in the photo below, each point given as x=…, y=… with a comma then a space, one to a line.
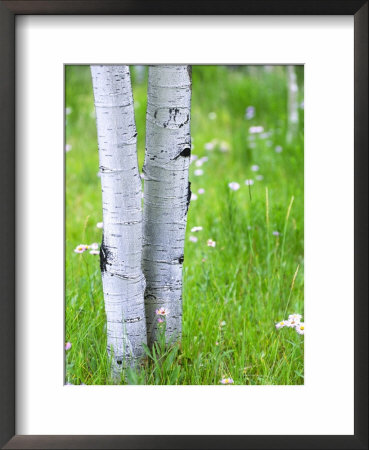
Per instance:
x=233, y=293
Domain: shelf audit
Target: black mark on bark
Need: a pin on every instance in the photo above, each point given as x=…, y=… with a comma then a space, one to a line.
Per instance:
x=189, y=71
x=134, y=319
x=188, y=196
x=186, y=152
x=104, y=256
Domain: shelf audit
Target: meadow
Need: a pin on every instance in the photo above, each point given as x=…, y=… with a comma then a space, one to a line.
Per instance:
x=247, y=181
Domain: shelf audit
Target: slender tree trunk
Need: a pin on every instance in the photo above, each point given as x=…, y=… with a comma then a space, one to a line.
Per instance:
x=166, y=194
x=121, y=248
x=293, y=116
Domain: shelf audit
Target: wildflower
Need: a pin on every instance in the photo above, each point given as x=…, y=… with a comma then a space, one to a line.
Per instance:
x=294, y=321
x=68, y=148
x=81, y=248
x=300, y=328
x=212, y=115
x=259, y=177
x=302, y=105
x=211, y=243
x=282, y=324
x=201, y=191
x=223, y=323
x=228, y=380
x=294, y=318
x=217, y=343
x=193, y=197
x=193, y=158
x=195, y=229
x=193, y=238
x=255, y=168
x=198, y=172
x=278, y=149
x=256, y=129
x=68, y=110
x=94, y=246
x=276, y=233
x=99, y=224
x=94, y=252
x=199, y=163
x=250, y=112
x=160, y=320
x=234, y=186
x=209, y=146
x=161, y=312
x=68, y=346
x=249, y=182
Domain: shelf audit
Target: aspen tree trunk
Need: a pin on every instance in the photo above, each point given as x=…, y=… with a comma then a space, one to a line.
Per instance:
x=293, y=116
x=166, y=194
x=121, y=248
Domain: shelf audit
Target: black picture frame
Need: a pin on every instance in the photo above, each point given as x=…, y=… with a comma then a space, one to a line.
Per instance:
x=8, y=11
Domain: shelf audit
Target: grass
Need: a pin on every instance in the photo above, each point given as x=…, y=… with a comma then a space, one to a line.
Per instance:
x=233, y=294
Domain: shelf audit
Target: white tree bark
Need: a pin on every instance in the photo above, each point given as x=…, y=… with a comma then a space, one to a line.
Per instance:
x=121, y=248
x=293, y=115
x=166, y=194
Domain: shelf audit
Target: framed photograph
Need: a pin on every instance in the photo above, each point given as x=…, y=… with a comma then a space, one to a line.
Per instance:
x=183, y=188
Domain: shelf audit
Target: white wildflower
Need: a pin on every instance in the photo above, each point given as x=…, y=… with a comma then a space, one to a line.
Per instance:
x=295, y=318
x=300, y=328
x=234, y=186
x=209, y=146
x=256, y=129
x=196, y=229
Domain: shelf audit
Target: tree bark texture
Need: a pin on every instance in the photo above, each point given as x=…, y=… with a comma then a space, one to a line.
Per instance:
x=166, y=194
x=293, y=115
x=121, y=248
